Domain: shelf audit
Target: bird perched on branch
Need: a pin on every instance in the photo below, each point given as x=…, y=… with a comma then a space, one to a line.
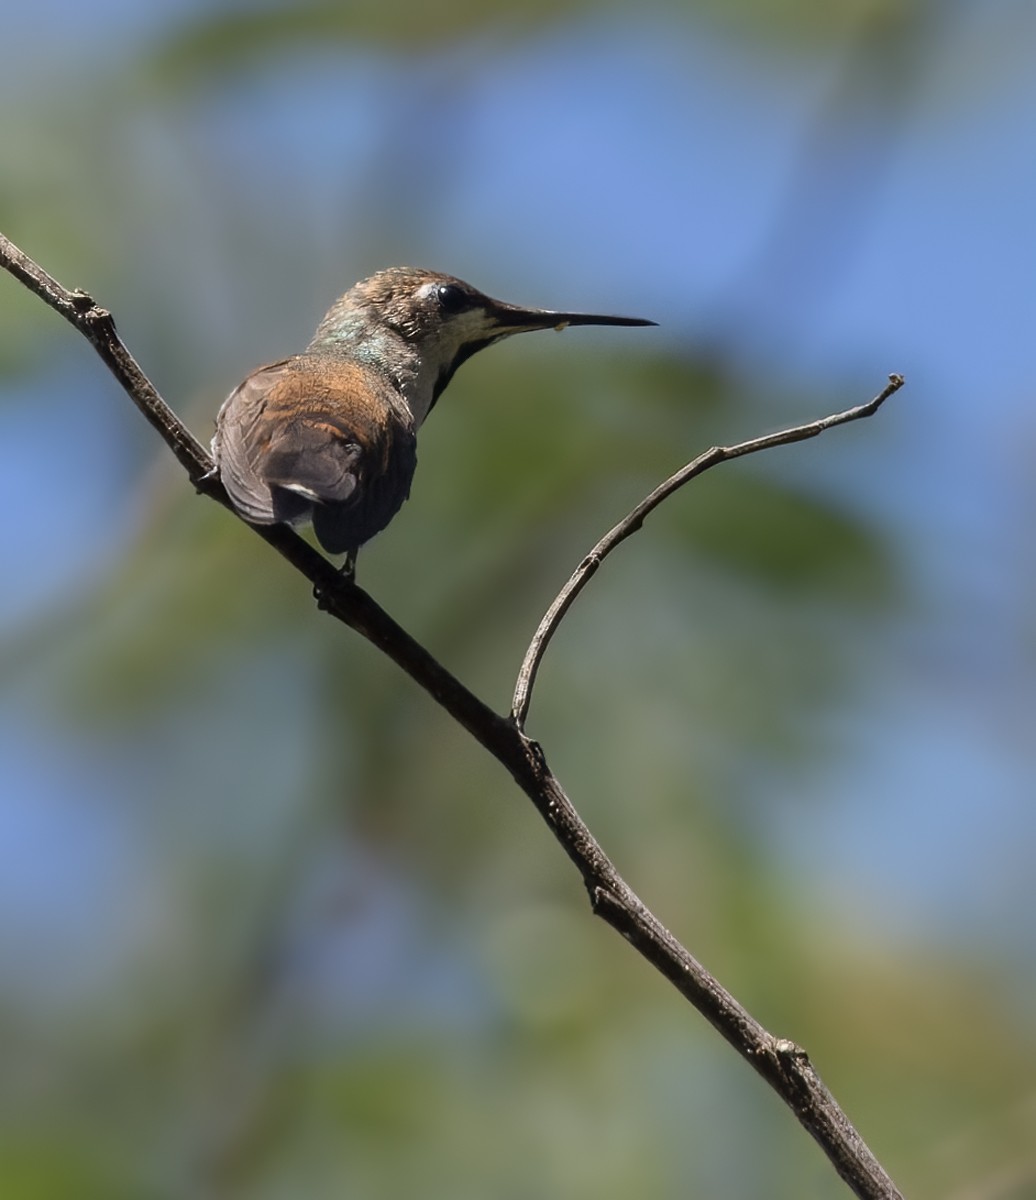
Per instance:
x=329, y=436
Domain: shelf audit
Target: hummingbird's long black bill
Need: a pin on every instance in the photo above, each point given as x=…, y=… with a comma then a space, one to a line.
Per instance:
x=510, y=318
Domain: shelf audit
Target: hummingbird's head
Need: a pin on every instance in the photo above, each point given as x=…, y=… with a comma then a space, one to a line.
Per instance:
x=442, y=320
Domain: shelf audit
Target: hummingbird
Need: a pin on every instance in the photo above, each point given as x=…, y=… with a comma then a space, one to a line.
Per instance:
x=329, y=436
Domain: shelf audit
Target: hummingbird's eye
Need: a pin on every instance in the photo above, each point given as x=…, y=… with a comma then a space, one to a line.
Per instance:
x=452, y=299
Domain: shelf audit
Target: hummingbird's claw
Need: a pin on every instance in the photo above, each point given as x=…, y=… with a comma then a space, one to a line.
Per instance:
x=202, y=482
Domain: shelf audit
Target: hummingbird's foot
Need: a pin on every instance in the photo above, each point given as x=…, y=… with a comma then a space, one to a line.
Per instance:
x=346, y=572
x=202, y=482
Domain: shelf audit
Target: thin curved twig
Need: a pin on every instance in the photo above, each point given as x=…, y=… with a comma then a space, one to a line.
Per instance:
x=634, y=519
x=781, y=1063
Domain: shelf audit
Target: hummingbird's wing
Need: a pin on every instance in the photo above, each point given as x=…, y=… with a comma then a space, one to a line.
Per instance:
x=319, y=462
x=242, y=442
x=273, y=435
x=313, y=438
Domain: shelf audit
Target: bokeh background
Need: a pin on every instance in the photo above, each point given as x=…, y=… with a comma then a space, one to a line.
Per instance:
x=270, y=926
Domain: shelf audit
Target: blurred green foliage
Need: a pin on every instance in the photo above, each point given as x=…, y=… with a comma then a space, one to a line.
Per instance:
x=343, y=958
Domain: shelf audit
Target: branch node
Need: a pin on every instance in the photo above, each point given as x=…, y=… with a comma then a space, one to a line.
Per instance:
x=788, y=1051
x=81, y=301
x=102, y=320
x=535, y=753
x=86, y=307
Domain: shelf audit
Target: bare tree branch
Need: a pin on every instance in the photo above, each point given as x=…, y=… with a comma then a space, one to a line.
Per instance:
x=781, y=1063
x=97, y=326
x=634, y=519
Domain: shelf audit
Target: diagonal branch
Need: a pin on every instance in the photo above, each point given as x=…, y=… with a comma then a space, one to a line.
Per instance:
x=97, y=326
x=634, y=519
x=781, y=1063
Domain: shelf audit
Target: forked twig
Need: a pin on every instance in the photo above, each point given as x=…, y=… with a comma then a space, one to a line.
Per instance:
x=634, y=519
